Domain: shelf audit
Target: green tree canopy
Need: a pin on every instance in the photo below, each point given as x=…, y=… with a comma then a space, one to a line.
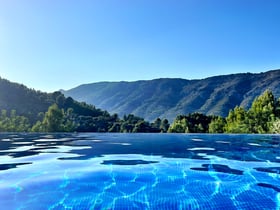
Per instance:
x=262, y=113
x=52, y=121
x=180, y=125
x=275, y=127
x=237, y=121
x=217, y=125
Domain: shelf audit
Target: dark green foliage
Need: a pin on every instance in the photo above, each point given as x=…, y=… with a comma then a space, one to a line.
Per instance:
x=141, y=127
x=275, y=127
x=217, y=125
x=160, y=125
x=129, y=122
x=134, y=124
x=192, y=123
x=260, y=118
x=262, y=113
x=164, y=126
x=13, y=123
x=26, y=102
x=55, y=120
x=180, y=125
x=277, y=108
x=237, y=121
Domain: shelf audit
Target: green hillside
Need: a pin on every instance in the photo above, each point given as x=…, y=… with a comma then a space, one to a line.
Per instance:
x=29, y=102
x=167, y=98
x=25, y=109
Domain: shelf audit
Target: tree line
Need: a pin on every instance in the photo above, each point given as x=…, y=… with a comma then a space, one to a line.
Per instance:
x=59, y=120
x=262, y=117
x=68, y=115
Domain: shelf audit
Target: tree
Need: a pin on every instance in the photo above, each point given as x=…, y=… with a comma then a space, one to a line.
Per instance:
x=37, y=127
x=180, y=125
x=277, y=108
x=68, y=123
x=164, y=126
x=237, y=121
x=132, y=123
x=126, y=127
x=262, y=113
x=116, y=127
x=275, y=127
x=198, y=123
x=191, y=123
x=141, y=127
x=217, y=125
x=13, y=122
x=52, y=121
x=156, y=124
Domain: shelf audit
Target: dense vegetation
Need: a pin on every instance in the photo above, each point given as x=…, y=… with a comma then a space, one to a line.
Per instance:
x=168, y=98
x=262, y=117
x=68, y=115
x=24, y=110
x=59, y=120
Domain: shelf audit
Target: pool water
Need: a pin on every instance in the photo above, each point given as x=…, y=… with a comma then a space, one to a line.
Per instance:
x=139, y=171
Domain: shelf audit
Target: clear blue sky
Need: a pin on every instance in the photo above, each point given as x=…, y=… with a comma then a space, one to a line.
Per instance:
x=53, y=44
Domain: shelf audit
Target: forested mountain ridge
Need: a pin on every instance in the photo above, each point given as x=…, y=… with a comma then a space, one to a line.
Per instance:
x=23, y=109
x=167, y=98
x=29, y=102
x=25, y=101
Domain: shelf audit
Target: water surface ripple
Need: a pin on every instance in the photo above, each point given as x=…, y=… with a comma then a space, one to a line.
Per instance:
x=139, y=171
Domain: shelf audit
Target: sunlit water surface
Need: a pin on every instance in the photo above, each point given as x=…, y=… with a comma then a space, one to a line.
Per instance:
x=139, y=171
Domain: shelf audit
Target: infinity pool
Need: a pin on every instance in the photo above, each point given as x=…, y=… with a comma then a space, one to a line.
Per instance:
x=139, y=171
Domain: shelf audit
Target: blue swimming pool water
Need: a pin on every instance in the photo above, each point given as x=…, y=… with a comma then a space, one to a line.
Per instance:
x=139, y=171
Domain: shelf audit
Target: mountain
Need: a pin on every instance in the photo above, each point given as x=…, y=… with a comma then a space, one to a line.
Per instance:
x=167, y=98
x=23, y=109
x=29, y=102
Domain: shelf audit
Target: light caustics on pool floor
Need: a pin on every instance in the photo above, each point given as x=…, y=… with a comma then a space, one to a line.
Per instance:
x=69, y=175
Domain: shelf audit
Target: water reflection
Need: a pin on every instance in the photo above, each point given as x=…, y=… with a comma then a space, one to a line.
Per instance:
x=218, y=168
x=11, y=165
x=277, y=189
x=275, y=170
x=23, y=149
x=127, y=162
x=87, y=146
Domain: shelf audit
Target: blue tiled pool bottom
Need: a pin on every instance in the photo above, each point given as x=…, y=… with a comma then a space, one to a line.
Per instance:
x=141, y=171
